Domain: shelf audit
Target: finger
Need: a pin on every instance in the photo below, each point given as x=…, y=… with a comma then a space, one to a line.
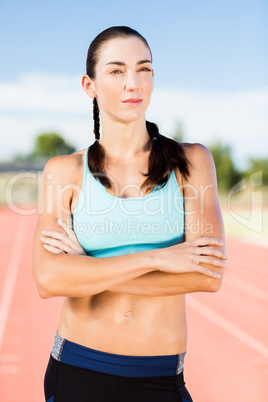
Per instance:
x=56, y=250
x=54, y=233
x=207, y=272
x=205, y=241
x=53, y=250
x=57, y=235
x=62, y=241
x=210, y=261
x=65, y=226
x=68, y=229
x=210, y=251
x=56, y=243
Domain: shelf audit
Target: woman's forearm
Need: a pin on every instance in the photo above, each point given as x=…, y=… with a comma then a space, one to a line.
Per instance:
x=79, y=276
x=158, y=283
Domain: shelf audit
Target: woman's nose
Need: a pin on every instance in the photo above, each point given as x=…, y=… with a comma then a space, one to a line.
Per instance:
x=132, y=82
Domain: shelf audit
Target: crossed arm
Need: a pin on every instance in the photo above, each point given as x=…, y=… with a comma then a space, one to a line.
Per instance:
x=56, y=276
x=202, y=218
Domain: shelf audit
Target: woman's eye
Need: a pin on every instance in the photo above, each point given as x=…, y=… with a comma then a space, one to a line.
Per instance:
x=116, y=72
x=145, y=69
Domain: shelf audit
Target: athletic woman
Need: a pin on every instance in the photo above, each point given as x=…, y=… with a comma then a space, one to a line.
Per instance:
x=121, y=249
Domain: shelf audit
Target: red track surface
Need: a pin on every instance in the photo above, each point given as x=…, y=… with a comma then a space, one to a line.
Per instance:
x=227, y=358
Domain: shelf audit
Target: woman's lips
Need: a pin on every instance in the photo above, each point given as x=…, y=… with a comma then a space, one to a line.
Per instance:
x=133, y=101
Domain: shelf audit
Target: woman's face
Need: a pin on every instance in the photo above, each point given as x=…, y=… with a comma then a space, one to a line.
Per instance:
x=124, y=79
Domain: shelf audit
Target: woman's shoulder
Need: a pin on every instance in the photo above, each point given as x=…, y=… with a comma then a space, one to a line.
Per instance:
x=198, y=155
x=200, y=164
x=202, y=167
x=65, y=168
x=195, y=150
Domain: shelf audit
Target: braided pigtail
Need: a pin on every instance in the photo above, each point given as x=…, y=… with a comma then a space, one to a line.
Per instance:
x=96, y=118
x=165, y=155
x=96, y=152
x=156, y=157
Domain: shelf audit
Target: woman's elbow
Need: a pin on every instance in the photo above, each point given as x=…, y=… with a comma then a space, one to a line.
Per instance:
x=43, y=290
x=44, y=274
x=44, y=282
x=214, y=285
x=211, y=284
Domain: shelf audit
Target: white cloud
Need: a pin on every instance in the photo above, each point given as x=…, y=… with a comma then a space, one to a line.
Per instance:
x=238, y=119
x=41, y=102
x=44, y=93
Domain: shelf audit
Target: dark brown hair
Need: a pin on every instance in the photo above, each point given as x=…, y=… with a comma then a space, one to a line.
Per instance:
x=165, y=154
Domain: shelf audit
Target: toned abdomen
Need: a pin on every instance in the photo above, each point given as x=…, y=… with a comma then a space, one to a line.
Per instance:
x=126, y=324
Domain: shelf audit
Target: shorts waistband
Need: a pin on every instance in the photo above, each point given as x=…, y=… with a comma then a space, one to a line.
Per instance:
x=122, y=365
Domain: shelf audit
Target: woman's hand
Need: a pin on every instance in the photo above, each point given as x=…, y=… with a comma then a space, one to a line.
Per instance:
x=62, y=243
x=187, y=256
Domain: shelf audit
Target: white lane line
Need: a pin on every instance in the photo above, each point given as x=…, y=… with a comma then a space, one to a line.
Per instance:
x=246, y=287
x=11, y=273
x=228, y=326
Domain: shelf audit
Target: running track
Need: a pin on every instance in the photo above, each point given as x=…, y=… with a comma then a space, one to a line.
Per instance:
x=227, y=358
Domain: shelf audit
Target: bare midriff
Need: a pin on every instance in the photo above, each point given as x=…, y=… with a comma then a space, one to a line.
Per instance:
x=126, y=324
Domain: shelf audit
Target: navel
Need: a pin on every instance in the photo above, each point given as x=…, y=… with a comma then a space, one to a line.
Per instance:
x=128, y=314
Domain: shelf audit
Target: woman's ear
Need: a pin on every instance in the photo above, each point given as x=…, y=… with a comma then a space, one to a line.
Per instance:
x=88, y=86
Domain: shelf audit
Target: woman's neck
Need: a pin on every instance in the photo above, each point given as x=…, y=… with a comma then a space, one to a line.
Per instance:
x=125, y=141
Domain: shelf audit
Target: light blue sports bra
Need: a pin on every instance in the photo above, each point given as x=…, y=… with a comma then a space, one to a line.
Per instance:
x=109, y=226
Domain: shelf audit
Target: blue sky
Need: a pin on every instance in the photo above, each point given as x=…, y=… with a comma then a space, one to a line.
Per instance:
x=216, y=51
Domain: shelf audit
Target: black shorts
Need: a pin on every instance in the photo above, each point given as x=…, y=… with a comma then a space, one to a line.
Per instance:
x=70, y=376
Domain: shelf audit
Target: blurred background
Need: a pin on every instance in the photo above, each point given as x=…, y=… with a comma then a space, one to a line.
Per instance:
x=211, y=86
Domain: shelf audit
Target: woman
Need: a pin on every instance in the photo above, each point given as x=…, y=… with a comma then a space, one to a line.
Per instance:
x=124, y=251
